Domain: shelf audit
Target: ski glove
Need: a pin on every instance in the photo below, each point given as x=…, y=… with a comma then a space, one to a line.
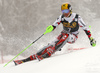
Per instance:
x=92, y=42
x=49, y=29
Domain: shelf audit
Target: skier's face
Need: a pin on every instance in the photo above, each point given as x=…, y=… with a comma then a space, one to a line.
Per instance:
x=66, y=12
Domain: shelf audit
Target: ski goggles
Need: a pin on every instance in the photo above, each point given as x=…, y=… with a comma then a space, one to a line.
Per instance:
x=65, y=11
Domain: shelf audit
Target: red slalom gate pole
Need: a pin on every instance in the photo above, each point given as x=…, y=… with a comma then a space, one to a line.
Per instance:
x=2, y=56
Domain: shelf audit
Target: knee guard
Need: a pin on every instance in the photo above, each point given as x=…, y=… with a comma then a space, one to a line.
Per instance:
x=72, y=38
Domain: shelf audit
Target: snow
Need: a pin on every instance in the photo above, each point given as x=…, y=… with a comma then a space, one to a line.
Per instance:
x=82, y=61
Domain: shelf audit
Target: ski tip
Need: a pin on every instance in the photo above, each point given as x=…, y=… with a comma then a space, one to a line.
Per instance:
x=15, y=63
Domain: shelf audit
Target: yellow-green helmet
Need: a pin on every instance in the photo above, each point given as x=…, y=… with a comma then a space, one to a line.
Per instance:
x=65, y=6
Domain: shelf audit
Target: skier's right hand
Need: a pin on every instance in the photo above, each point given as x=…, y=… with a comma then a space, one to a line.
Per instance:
x=92, y=41
x=49, y=29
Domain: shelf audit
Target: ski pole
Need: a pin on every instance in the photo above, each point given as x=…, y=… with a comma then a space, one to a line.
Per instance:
x=90, y=29
x=49, y=29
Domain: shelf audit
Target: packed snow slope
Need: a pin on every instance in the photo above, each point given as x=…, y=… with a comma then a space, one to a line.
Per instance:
x=81, y=61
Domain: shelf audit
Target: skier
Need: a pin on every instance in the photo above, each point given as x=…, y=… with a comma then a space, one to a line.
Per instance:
x=71, y=23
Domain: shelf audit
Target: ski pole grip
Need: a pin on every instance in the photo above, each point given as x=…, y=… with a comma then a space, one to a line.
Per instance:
x=48, y=29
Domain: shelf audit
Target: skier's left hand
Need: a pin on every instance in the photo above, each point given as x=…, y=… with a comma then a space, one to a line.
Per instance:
x=92, y=41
